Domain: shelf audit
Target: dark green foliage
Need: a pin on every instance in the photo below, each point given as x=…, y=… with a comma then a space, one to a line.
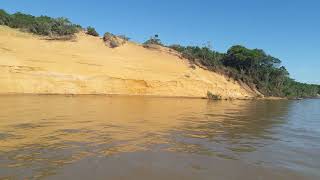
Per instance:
x=252, y=66
x=266, y=73
x=246, y=59
x=295, y=89
x=92, y=31
x=213, y=96
x=62, y=26
x=42, y=25
x=23, y=21
x=4, y=17
x=258, y=68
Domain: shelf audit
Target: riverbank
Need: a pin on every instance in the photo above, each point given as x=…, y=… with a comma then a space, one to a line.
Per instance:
x=33, y=65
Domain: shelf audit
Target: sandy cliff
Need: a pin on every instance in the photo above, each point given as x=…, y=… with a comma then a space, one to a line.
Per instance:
x=30, y=64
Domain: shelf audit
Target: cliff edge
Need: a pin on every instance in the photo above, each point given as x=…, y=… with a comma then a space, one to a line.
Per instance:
x=31, y=64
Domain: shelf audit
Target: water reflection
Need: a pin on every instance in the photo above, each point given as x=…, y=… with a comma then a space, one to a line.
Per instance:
x=226, y=129
x=41, y=134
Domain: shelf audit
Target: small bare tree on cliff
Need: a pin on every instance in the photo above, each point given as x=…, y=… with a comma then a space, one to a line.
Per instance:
x=154, y=40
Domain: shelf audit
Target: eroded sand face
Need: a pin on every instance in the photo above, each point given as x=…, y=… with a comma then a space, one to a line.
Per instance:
x=29, y=64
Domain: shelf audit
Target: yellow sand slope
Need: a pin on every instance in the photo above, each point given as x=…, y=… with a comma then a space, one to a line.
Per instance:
x=29, y=64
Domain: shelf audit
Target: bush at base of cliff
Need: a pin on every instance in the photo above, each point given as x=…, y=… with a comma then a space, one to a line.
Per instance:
x=213, y=96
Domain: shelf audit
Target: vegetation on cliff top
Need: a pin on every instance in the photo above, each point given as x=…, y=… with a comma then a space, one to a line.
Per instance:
x=42, y=25
x=114, y=41
x=251, y=66
x=92, y=31
x=154, y=40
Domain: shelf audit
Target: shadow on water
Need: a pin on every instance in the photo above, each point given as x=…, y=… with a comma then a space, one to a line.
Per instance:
x=41, y=134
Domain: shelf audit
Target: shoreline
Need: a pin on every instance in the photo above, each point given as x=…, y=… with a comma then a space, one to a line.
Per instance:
x=131, y=70
x=146, y=96
x=87, y=66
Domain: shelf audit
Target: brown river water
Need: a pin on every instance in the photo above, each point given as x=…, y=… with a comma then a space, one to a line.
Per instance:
x=99, y=137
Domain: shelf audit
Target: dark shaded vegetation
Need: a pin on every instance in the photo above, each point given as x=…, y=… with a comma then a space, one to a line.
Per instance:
x=42, y=25
x=92, y=31
x=4, y=17
x=213, y=96
x=251, y=66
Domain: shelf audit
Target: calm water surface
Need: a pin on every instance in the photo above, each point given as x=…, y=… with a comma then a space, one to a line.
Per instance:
x=97, y=137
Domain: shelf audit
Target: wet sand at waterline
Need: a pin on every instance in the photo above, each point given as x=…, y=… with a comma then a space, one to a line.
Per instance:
x=98, y=137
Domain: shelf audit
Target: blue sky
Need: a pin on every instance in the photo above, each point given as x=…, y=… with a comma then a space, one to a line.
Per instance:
x=287, y=29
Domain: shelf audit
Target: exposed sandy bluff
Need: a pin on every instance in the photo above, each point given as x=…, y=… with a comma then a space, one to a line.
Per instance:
x=30, y=64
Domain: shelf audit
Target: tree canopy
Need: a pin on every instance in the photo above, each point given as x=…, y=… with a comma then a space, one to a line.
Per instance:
x=252, y=66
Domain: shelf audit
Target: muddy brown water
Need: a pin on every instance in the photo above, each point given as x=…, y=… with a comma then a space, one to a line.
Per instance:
x=98, y=137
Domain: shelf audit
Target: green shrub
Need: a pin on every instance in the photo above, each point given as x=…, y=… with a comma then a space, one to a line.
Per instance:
x=62, y=27
x=42, y=25
x=4, y=17
x=213, y=96
x=92, y=31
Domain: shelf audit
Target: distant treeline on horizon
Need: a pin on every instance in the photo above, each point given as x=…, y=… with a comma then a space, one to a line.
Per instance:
x=251, y=66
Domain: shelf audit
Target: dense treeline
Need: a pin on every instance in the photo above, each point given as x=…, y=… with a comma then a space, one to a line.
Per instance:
x=252, y=66
x=42, y=25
